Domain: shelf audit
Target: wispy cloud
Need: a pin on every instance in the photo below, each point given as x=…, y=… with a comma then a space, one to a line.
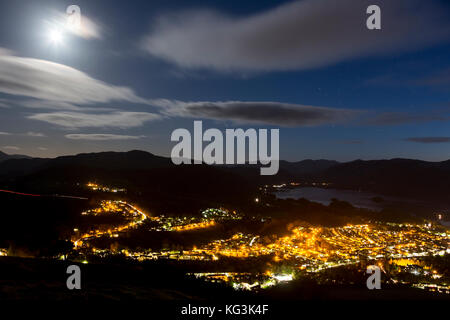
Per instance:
x=34, y=134
x=87, y=28
x=4, y=103
x=11, y=148
x=296, y=35
x=49, y=81
x=272, y=113
x=29, y=134
x=429, y=139
x=100, y=136
x=73, y=120
x=57, y=105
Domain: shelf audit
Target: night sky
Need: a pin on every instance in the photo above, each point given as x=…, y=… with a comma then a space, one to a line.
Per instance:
x=137, y=70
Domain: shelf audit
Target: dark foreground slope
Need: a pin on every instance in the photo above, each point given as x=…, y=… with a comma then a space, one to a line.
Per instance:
x=163, y=282
x=37, y=226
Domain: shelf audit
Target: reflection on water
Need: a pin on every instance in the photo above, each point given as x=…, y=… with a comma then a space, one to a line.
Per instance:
x=368, y=200
x=324, y=196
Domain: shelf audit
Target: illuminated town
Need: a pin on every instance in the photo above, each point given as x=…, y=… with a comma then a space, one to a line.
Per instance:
x=302, y=249
x=305, y=248
x=97, y=187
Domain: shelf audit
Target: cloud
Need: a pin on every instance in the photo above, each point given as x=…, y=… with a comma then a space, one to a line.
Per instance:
x=58, y=105
x=29, y=134
x=73, y=120
x=49, y=81
x=72, y=92
x=428, y=139
x=296, y=35
x=272, y=113
x=100, y=136
x=6, y=52
x=42, y=148
x=87, y=28
x=11, y=147
x=4, y=103
x=34, y=134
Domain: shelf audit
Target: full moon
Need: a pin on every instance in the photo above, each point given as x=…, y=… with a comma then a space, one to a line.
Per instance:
x=55, y=37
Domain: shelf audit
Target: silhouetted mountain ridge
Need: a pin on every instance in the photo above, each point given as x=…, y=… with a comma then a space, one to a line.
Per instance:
x=144, y=170
x=395, y=176
x=153, y=180
x=307, y=167
x=134, y=160
x=4, y=156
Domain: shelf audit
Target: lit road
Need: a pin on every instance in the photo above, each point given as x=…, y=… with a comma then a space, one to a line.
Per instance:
x=112, y=206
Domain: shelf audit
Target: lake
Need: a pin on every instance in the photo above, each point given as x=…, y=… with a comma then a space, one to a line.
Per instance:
x=324, y=196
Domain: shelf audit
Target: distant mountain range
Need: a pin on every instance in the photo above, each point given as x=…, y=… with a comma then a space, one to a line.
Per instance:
x=307, y=167
x=402, y=177
x=147, y=171
x=103, y=161
x=4, y=156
